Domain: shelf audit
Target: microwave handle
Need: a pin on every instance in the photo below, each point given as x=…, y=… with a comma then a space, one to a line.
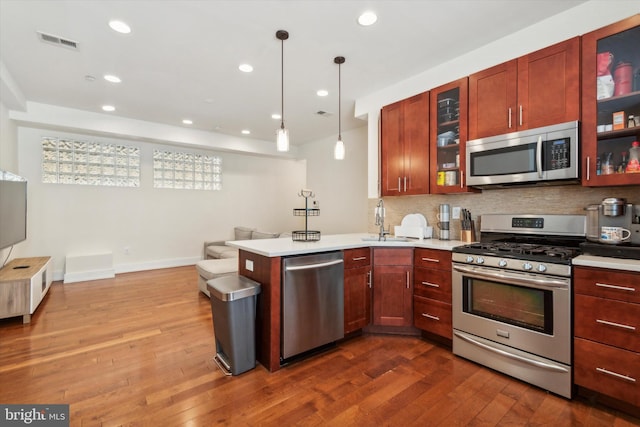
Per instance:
x=539, y=156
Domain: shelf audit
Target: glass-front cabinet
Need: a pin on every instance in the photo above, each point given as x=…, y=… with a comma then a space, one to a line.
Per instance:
x=611, y=104
x=448, y=126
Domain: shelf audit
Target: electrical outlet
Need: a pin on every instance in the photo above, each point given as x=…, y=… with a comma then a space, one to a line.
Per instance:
x=316, y=204
x=248, y=264
x=455, y=214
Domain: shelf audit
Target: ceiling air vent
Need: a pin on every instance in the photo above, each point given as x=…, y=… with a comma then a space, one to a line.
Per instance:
x=58, y=41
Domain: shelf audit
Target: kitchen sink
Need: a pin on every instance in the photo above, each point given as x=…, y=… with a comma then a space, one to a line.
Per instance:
x=388, y=239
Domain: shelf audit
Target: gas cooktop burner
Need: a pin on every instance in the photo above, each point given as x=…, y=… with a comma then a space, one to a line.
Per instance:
x=502, y=248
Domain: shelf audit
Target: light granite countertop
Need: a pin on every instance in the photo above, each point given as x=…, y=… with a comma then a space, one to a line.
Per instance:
x=607, y=262
x=285, y=246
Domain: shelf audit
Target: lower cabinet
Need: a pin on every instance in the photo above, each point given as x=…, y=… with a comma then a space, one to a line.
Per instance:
x=357, y=289
x=606, y=325
x=432, y=291
x=392, y=286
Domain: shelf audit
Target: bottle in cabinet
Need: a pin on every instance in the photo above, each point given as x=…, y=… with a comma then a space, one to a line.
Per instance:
x=610, y=104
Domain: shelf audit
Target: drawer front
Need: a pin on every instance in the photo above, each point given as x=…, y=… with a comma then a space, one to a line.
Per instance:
x=613, y=284
x=354, y=258
x=431, y=283
x=608, y=321
x=608, y=370
x=432, y=258
x=392, y=256
x=432, y=316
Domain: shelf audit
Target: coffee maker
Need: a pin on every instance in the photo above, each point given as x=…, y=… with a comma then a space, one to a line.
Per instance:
x=613, y=212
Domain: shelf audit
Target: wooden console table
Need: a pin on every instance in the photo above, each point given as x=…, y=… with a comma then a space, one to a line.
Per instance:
x=23, y=284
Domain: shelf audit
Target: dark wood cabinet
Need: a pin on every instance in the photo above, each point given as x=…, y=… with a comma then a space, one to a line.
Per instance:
x=357, y=289
x=448, y=135
x=538, y=89
x=432, y=291
x=392, y=286
x=606, y=325
x=405, y=146
x=605, y=151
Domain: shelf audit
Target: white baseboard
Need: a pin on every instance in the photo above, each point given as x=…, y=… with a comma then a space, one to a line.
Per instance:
x=83, y=276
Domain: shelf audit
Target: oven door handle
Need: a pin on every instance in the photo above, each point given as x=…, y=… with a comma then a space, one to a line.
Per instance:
x=537, y=363
x=516, y=279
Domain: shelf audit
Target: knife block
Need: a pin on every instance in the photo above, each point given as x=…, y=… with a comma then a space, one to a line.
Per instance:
x=468, y=236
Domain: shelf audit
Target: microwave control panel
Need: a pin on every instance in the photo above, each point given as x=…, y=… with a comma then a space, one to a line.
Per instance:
x=557, y=154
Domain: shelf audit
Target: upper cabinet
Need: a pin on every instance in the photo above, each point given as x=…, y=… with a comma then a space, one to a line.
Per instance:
x=610, y=96
x=538, y=89
x=405, y=146
x=448, y=135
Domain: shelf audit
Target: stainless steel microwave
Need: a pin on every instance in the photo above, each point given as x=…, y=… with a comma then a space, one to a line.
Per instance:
x=543, y=155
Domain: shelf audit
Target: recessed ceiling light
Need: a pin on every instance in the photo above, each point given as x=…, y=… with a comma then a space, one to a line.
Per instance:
x=245, y=68
x=90, y=78
x=246, y=131
x=322, y=92
x=367, y=18
x=108, y=108
x=187, y=122
x=111, y=78
x=209, y=100
x=276, y=116
x=119, y=26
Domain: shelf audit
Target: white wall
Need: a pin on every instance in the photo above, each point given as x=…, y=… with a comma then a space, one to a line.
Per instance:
x=340, y=185
x=160, y=227
x=579, y=20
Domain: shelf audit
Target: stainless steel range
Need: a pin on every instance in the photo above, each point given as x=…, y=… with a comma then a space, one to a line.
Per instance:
x=512, y=297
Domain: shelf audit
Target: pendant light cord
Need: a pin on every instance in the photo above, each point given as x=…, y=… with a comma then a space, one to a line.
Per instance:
x=339, y=102
x=282, y=83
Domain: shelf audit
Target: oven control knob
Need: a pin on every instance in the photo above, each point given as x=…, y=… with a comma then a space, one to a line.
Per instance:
x=502, y=263
x=469, y=258
x=479, y=260
x=542, y=268
x=527, y=266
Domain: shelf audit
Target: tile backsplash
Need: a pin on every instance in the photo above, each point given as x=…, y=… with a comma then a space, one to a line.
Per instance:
x=565, y=199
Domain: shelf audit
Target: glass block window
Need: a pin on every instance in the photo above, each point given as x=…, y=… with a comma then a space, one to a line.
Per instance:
x=188, y=171
x=68, y=161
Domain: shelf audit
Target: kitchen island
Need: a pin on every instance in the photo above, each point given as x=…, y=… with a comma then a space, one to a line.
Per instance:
x=261, y=260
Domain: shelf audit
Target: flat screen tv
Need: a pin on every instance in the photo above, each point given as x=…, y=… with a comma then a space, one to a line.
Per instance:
x=13, y=209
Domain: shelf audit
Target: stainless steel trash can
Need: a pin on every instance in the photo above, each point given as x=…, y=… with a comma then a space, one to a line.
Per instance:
x=233, y=309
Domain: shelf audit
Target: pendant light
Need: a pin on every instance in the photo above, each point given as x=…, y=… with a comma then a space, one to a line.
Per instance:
x=282, y=134
x=338, y=151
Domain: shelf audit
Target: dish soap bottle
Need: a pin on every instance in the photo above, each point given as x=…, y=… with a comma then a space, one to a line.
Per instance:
x=633, y=164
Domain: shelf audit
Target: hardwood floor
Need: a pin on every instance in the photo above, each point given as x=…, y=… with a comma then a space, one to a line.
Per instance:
x=137, y=350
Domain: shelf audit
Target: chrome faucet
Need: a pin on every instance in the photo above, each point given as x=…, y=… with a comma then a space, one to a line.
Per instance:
x=382, y=235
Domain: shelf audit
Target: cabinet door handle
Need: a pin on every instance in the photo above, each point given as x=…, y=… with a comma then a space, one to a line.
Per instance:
x=520, y=115
x=461, y=178
x=359, y=258
x=408, y=284
x=369, y=279
x=430, y=259
x=588, y=167
x=615, y=374
x=619, y=288
x=430, y=316
x=405, y=183
x=509, y=117
x=399, y=184
x=433, y=285
x=617, y=325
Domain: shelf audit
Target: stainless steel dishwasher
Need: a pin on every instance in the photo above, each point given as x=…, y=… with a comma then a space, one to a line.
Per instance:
x=312, y=302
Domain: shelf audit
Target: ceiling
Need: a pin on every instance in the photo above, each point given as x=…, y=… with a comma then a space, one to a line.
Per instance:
x=181, y=58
